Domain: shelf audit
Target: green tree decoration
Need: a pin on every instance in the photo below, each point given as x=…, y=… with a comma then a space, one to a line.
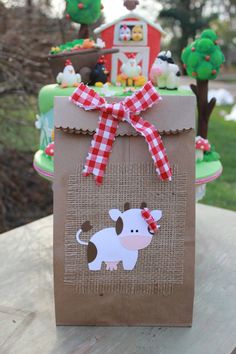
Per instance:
x=202, y=60
x=84, y=12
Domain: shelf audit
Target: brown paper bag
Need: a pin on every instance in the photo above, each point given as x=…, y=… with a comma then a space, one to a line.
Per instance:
x=156, y=286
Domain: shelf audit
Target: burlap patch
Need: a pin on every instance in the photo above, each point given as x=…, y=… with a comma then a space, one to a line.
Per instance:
x=160, y=265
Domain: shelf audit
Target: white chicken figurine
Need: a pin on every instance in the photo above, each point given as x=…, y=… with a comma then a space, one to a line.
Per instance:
x=68, y=78
x=125, y=33
x=130, y=69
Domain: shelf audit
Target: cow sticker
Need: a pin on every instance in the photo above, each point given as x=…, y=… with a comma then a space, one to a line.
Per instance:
x=133, y=231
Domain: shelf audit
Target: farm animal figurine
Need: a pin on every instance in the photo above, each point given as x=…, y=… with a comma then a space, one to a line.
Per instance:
x=131, y=69
x=137, y=33
x=131, y=73
x=164, y=73
x=125, y=33
x=133, y=231
x=99, y=73
x=68, y=78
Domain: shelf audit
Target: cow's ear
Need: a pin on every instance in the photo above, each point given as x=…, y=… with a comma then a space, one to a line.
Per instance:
x=162, y=53
x=115, y=214
x=156, y=214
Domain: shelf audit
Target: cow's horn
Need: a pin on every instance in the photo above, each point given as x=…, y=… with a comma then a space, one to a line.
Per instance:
x=143, y=205
x=126, y=206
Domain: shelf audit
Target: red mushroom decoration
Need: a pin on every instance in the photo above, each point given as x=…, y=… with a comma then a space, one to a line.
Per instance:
x=201, y=146
x=49, y=150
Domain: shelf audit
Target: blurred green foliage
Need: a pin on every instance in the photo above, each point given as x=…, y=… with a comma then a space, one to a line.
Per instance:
x=17, y=123
x=187, y=18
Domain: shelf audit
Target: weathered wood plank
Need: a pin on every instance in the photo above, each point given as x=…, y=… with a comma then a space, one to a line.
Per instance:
x=26, y=298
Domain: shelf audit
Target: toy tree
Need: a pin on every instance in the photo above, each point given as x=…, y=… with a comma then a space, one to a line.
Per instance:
x=84, y=12
x=202, y=60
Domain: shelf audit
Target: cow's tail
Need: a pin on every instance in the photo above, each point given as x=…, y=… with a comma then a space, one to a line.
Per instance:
x=79, y=232
x=84, y=228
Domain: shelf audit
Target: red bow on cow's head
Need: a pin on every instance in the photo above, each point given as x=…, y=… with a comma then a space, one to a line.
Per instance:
x=110, y=115
x=146, y=214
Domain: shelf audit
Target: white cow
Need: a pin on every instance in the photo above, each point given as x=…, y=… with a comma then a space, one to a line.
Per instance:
x=120, y=243
x=164, y=73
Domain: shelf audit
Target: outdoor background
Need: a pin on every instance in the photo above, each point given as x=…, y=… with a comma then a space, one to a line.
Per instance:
x=29, y=28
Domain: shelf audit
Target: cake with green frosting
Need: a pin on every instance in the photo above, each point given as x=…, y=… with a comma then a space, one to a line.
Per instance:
x=116, y=63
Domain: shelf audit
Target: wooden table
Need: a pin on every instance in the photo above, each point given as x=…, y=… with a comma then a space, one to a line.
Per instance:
x=27, y=310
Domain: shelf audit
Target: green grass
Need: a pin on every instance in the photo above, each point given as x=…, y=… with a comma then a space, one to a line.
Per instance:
x=222, y=192
x=17, y=117
x=17, y=123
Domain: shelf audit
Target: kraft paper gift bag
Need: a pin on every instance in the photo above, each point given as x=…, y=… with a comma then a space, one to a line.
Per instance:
x=124, y=234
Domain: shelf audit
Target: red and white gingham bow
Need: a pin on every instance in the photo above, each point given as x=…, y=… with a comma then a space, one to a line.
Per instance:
x=146, y=214
x=110, y=115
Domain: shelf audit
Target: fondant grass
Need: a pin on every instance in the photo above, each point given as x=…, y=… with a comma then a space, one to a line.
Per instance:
x=47, y=94
x=222, y=192
x=207, y=169
x=44, y=162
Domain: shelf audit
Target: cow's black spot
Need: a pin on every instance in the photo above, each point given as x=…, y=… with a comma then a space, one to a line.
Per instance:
x=165, y=58
x=91, y=252
x=119, y=226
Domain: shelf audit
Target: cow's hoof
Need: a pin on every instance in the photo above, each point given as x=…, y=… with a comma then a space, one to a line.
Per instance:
x=111, y=266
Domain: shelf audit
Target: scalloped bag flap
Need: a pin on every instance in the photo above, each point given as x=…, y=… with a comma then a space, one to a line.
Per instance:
x=174, y=114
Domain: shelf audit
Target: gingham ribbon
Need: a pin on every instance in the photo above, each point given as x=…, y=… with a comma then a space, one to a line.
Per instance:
x=110, y=115
x=146, y=214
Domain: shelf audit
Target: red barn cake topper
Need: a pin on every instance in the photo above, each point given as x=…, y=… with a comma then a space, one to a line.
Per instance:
x=131, y=34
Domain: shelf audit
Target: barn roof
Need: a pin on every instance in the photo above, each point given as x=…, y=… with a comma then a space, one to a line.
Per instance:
x=130, y=15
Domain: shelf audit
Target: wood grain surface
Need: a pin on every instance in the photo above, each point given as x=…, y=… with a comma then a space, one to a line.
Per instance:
x=27, y=323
